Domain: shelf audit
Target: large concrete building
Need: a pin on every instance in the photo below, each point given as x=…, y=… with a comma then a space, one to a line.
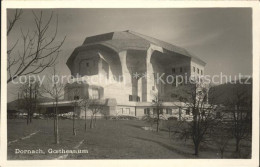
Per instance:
x=126, y=69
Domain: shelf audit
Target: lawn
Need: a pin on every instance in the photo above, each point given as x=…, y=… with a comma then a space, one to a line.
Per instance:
x=111, y=139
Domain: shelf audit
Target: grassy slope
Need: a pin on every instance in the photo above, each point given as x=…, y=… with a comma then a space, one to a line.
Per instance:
x=109, y=140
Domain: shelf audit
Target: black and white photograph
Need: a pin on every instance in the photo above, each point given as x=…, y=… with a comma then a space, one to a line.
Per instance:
x=129, y=83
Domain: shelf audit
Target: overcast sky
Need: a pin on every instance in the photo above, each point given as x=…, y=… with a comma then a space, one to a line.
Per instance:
x=221, y=37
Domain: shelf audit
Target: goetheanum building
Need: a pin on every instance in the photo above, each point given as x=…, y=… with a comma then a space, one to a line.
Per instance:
x=126, y=69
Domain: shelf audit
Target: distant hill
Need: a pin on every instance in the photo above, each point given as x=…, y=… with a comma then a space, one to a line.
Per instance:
x=221, y=94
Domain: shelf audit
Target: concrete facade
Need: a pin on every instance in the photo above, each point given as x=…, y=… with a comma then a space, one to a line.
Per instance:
x=126, y=66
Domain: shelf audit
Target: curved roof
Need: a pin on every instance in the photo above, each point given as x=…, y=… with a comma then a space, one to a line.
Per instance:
x=125, y=40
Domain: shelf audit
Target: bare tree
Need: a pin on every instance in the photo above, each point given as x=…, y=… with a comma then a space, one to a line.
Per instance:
x=220, y=135
x=239, y=106
x=105, y=113
x=155, y=117
x=157, y=103
x=76, y=101
x=170, y=124
x=28, y=98
x=84, y=104
x=55, y=90
x=95, y=107
x=12, y=21
x=39, y=48
x=194, y=96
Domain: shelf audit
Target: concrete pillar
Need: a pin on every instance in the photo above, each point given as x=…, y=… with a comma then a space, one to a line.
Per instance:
x=147, y=81
x=139, y=88
x=127, y=77
x=122, y=57
x=150, y=72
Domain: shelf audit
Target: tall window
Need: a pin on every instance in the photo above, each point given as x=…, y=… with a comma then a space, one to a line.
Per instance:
x=154, y=111
x=201, y=72
x=147, y=111
x=180, y=69
x=138, y=99
x=173, y=70
x=127, y=111
x=95, y=94
x=193, y=69
x=120, y=111
x=198, y=70
x=161, y=111
x=130, y=98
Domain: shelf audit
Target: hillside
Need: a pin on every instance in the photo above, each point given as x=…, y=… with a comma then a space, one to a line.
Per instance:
x=224, y=93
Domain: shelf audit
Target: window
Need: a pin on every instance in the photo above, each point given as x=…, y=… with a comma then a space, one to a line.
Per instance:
x=130, y=98
x=193, y=69
x=132, y=112
x=169, y=111
x=138, y=98
x=154, y=111
x=95, y=94
x=180, y=69
x=201, y=72
x=120, y=111
x=147, y=111
x=87, y=64
x=127, y=111
x=161, y=111
x=173, y=70
x=198, y=70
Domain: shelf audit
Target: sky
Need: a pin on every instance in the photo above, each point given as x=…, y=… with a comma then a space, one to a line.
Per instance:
x=222, y=37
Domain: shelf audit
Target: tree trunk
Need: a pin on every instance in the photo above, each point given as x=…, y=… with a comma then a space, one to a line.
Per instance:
x=237, y=145
x=28, y=116
x=169, y=132
x=85, y=121
x=57, y=127
x=73, y=130
x=158, y=119
x=196, y=149
x=179, y=114
x=54, y=120
x=157, y=126
x=31, y=115
x=30, y=96
x=91, y=122
x=35, y=100
x=54, y=124
x=222, y=154
x=95, y=120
